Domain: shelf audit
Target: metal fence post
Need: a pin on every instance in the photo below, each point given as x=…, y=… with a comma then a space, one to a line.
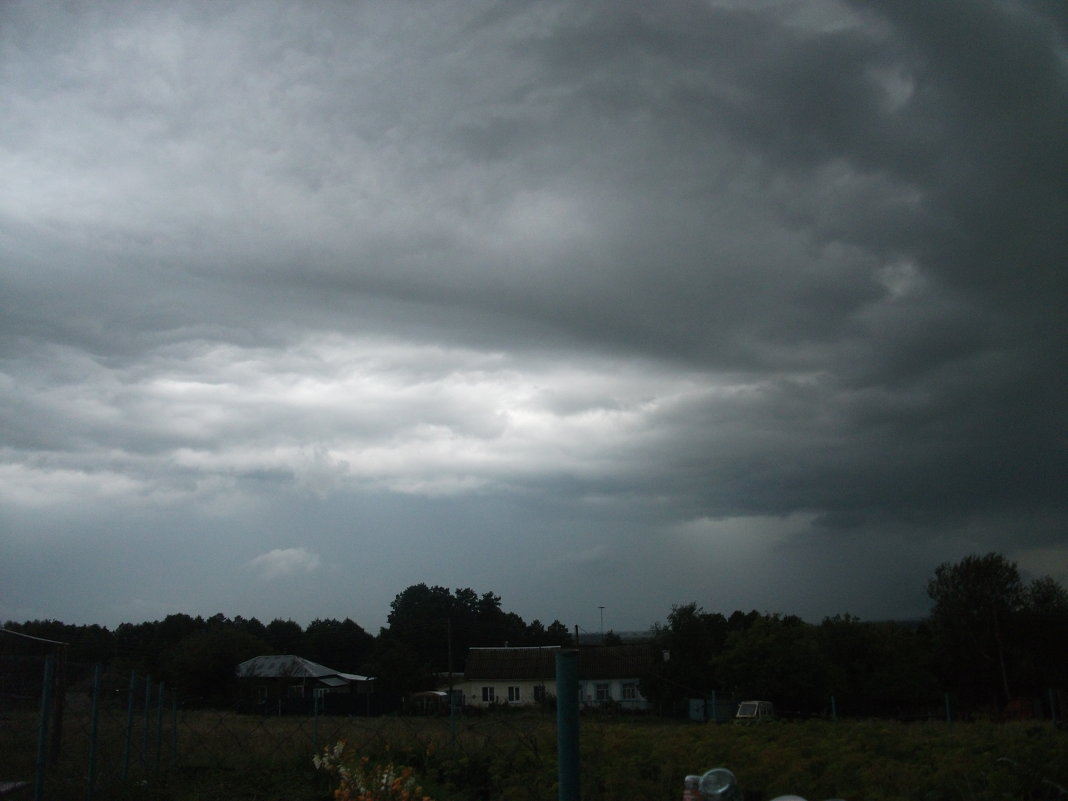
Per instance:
x=144, y=726
x=59, y=702
x=174, y=728
x=129, y=726
x=94, y=719
x=159, y=725
x=42, y=731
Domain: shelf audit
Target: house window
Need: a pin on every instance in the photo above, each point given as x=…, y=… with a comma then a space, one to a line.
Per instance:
x=487, y=695
x=602, y=693
x=630, y=692
x=539, y=693
x=513, y=694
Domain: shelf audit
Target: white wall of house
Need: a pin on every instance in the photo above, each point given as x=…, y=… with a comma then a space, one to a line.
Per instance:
x=489, y=692
x=513, y=692
x=621, y=692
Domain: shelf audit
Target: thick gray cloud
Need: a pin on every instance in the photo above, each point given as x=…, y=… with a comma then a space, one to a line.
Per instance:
x=753, y=304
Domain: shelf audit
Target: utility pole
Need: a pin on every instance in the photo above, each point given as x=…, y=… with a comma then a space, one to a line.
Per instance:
x=602, y=624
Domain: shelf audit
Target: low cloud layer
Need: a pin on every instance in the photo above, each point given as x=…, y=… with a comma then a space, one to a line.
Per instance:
x=759, y=305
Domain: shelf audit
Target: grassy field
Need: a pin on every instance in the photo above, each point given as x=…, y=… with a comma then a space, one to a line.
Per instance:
x=210, y=756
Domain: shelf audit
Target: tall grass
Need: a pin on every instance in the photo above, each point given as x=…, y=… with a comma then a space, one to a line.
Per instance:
x=221, y=755
x=513, y=756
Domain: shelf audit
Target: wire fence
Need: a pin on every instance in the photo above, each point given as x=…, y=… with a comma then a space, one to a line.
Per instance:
x=79, y=730
x=73, y=731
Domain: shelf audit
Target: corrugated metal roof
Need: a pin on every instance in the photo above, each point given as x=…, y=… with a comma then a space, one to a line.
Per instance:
x=354, y=677
x=283, y=666
x=290, y=666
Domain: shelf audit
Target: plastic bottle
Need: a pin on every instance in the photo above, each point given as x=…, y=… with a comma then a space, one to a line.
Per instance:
x=691, y=788
x=719, y=784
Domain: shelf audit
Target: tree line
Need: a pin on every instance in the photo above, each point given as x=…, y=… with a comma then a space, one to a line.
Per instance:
x=429, y=632
x=990, y=637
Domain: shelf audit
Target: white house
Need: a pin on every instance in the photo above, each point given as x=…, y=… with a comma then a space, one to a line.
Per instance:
x=609, y=676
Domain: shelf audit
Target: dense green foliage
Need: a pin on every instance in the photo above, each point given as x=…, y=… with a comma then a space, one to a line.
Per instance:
x=995, y=635
x=871, y=668
x=990, y=638
x=430, y=630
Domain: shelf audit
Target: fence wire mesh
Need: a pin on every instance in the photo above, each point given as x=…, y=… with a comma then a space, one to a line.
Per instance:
x=73, y=731
x=87, y=731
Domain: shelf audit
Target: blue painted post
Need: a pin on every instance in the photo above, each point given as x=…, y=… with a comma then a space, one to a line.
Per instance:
x=42, y=730
x=94, y=720
x=567, y=725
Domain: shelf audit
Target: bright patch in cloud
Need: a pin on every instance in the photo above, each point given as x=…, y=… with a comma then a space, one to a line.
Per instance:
x=283, y=562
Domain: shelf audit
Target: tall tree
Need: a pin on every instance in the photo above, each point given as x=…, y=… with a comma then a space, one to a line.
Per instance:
x=777, y=659
x=878, y=668
x=439, y=625
x=556, y=633
x=202, y=665
x=340, y=644
x=1041, y=636
x=285, y=636
x=426, y=620
x=688, y=644
x=976, y=601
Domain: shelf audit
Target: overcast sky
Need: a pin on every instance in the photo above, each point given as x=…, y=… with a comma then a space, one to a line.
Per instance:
x=755, y=304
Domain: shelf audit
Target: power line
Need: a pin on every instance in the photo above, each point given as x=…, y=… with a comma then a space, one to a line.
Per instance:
x=30, y=637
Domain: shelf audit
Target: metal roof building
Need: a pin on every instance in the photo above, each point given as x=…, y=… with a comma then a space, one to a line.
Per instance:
x=290, y=684
x=289, y=666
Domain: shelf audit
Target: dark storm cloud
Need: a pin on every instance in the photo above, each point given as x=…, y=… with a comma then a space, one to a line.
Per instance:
x=603, y=285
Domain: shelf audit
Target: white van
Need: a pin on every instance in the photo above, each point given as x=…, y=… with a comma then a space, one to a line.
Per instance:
x=754, y=712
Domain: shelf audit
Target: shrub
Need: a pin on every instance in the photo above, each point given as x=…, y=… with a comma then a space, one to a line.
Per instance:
x=361, y=779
